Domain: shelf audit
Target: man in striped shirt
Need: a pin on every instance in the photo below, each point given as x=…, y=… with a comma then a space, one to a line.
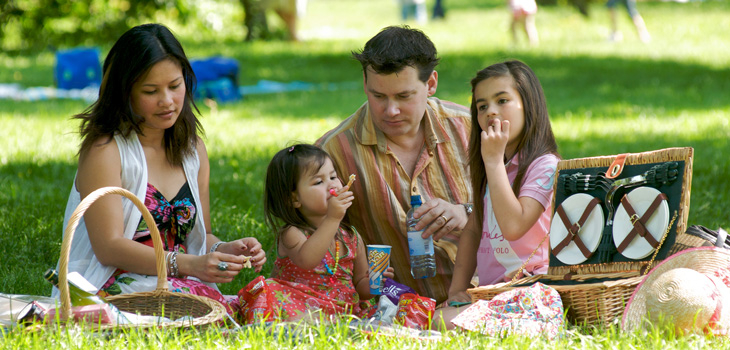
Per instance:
x=405, y=142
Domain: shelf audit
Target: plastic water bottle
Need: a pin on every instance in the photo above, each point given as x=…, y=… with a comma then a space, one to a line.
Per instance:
x=423, y=263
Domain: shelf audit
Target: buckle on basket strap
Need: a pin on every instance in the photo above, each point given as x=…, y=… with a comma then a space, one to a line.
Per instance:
x=615, y=169
x=634, y=218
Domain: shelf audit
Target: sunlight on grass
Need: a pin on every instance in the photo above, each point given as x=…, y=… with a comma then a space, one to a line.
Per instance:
x=226, y=132
x=36, y=140
x=603, y=98
x=683, y=128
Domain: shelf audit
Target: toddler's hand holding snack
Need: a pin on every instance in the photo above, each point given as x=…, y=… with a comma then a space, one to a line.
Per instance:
x=343, y=189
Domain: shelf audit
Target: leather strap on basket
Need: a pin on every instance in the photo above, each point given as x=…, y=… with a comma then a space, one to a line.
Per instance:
x=615, y=169
x=573, y=229
x=639, y=223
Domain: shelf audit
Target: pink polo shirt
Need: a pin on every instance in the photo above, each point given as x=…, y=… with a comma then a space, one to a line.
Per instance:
x=498, y=259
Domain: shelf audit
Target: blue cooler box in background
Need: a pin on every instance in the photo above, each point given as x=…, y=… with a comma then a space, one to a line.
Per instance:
x=217, y=79
x=77, y=68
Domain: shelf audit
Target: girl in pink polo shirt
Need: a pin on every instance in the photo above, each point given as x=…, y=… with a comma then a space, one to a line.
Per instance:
x=513, y=159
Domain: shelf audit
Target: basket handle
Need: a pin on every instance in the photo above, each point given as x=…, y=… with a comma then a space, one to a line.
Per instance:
x=74, y=222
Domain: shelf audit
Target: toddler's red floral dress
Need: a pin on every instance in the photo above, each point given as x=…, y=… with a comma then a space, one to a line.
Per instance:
x=293, y=291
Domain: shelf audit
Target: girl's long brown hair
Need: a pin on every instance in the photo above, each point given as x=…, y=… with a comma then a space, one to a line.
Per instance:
x=537, y=137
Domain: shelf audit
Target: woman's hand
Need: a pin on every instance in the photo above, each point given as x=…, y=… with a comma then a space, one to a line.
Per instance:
x=208, y=267
x=248, y=246
x=389, y=272
x=441, y=217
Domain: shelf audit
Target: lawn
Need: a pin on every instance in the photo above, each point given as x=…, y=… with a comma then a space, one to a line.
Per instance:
x=604, y=98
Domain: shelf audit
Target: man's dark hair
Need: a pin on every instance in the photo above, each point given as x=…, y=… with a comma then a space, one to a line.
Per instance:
x=397, y=47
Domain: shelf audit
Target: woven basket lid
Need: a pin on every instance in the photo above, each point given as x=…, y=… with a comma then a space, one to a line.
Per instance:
x=687, y=289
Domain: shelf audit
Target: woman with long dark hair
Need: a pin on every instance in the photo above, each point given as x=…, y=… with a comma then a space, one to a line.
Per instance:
x=142, y=134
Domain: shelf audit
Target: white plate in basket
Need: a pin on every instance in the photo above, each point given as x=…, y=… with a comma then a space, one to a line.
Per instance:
x=640, y=199
x=589, y=233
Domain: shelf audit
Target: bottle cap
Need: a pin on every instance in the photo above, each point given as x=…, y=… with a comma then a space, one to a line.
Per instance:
x=51, y=275
x=416, y=200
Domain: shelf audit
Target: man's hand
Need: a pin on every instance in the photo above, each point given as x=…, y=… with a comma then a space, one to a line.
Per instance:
x=441, y=217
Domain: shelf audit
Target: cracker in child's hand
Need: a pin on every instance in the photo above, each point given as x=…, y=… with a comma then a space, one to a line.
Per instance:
x=247, y=262
x=343, y=189
x=349, y=183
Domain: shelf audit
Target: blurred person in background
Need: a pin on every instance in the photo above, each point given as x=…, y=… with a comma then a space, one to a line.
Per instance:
x=255, y=17
x=523, y=15
x=639, y=24
x=439, y=12
x=415, y=9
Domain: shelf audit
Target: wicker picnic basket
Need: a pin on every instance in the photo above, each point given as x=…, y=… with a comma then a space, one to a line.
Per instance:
x=202, y=311
x=596, y=291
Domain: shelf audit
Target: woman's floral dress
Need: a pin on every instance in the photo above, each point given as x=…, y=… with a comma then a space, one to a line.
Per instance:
x=175, y=219
x=292, y=290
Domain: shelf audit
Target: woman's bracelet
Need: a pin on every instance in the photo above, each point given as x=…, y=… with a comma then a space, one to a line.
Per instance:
x=172, y=269
x=215, y=246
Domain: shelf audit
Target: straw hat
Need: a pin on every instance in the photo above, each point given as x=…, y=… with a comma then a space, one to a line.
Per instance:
x=686, y=290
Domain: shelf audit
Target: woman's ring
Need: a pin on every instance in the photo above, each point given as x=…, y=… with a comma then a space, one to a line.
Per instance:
x=223, y=266
x=445, y=219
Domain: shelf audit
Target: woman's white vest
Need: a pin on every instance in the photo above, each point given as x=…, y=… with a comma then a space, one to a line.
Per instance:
x=134, y=179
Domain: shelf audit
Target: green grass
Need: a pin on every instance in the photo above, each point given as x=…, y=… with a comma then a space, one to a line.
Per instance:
x=340, y=336
x=604, y=98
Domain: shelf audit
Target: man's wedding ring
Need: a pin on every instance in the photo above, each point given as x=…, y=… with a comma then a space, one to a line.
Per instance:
x=445, y=219
x=223, y=266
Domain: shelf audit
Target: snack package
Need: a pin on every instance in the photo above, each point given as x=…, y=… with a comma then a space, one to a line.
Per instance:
x=415, y=311
x=257, y=302
x=393, y=290
x=386, y=311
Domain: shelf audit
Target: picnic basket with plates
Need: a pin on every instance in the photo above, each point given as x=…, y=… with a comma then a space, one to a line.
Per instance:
x=614, y=218
x=185, y=310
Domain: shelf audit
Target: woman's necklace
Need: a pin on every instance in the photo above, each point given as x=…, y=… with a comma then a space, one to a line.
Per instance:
x=337, y=262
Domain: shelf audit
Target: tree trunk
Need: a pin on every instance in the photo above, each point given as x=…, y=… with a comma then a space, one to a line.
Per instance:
x=255, y=19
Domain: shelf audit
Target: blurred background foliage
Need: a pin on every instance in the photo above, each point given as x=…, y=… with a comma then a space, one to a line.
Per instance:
x=37, y=24
x=29, y=25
